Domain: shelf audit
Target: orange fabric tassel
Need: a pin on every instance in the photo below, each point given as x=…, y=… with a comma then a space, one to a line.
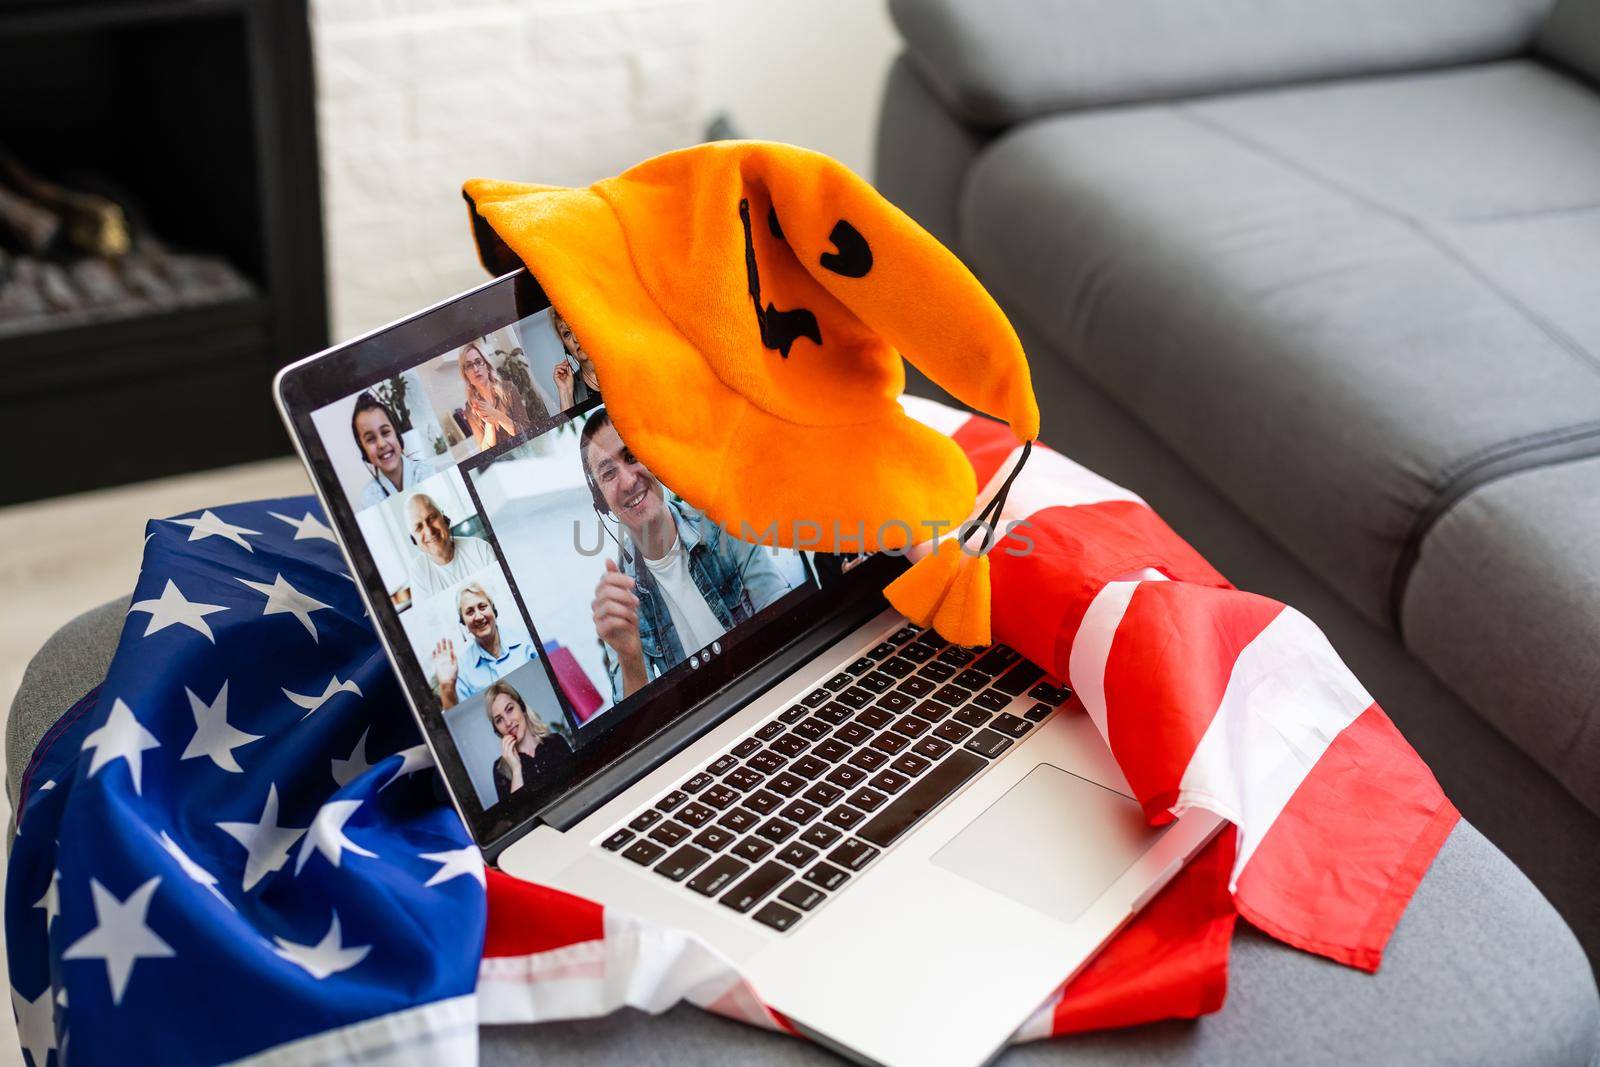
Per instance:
x=949, y=590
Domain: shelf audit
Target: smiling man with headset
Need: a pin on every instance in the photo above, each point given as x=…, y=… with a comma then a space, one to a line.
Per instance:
x=683, y=584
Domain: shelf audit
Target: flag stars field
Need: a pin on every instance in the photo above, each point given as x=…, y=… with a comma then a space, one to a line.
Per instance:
x=172, y=608
x=285, y=599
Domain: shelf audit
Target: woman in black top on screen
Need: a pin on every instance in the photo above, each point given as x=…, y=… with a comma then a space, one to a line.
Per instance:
x=529, y=750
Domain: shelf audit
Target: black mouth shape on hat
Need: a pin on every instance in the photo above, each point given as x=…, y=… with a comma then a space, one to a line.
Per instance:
x=779, y=329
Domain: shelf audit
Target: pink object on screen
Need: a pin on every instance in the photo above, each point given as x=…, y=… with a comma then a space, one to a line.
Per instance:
x=581, y=693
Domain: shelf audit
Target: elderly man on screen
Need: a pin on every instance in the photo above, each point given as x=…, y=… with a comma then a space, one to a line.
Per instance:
x=444, y=559
x=685, y=582
x=487, y=658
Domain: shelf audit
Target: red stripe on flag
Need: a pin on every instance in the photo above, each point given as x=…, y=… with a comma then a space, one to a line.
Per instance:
x=1341, y=862
x=1170, y=962
x=987, y=443
x=1169, y=665
x=525, y=918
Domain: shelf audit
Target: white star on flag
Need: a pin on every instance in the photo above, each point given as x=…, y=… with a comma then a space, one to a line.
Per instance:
x=329, y=956
x=122, y=737
x=213, y=736
x=267, y=843
x=36, y=1024
x=172, y=608
x=413, y=759
x=307, y=528
x=327, y=834
x=456, y=863
x=120, y=937
x=210, y=525
x=51, y=900
x=285, y=599
x=311, y=703
x=193, y=869
x=346, y=771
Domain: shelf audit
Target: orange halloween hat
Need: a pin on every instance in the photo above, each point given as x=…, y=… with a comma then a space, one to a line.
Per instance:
x=747, y=305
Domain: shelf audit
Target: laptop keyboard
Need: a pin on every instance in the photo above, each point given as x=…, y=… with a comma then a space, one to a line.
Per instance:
x=784, y=818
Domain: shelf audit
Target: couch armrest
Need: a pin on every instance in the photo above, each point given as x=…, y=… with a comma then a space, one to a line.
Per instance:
x=998, y=62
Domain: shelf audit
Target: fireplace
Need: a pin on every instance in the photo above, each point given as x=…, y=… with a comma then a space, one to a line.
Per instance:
x=195, y=120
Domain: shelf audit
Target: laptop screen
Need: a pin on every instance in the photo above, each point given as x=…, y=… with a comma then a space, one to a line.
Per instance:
x=548, y=598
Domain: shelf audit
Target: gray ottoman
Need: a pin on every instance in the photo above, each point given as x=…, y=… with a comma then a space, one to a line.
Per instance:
x=1480, y=970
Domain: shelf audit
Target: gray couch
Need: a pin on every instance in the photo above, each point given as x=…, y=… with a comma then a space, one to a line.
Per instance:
x=1322, y=281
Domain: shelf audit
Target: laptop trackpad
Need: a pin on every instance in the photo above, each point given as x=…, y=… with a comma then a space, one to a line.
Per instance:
x=1054, y=842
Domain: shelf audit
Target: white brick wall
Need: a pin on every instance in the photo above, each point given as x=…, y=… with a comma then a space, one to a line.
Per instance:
x=414, y=96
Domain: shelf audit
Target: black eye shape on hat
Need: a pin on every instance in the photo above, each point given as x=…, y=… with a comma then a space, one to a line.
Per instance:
x=854, y=258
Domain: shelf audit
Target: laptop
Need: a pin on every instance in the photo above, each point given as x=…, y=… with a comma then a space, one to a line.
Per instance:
x=906, y=846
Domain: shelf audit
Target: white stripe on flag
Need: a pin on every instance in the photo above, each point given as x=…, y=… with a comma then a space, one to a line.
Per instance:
x=942, y=417
x=1091, y=645
x=445, y=1031
x=1051, y=480
x=1288, y=696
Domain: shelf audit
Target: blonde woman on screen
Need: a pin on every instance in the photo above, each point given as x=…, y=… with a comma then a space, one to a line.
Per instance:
x=572, y=387
x=529, y=750
x=495, y=411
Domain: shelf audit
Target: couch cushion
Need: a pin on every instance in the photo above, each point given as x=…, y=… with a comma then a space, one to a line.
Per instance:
x=1335, y=302
x=1571, y=37
x=1504, y=601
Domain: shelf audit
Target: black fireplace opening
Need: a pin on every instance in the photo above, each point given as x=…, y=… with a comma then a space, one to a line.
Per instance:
x=160, y=235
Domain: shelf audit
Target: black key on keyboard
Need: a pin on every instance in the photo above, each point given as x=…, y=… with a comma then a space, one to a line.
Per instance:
x=868, y=759
x=897, y=667
x=770, y=730
x=811, y=730
x=889, y=743
x=696, y=815
x=762, y=801
x=738, y=820
x=860, y=666
x=669, y=833
x=932, y=710
x=852, y=733
x=930, y=748
x=816, y=698
x=617, y=840
x=911, y=726
x=919, y=652
x=745, y=747
x=953, y=695
x=826, y=875
x=748, y=893
x=909, y=764
x=786, y=783
x=952, y=732
x=997, y=659
x=881, y=651
x=838, y=681
x=922, y=797
x=972, y=679
x=713, y=878
x=853, y=854
x=1038, y=713
x=877, y=682
x=673, y=800
x=776, y=916
x=833, y=713
x=846, y=776
x=868, y=800
x=645, y=819
x=904, y=634
x=890, y=781
x=643, y=852
x=831, y=750
x=803, y=896
x=767, y=761
x=855, y=697
x=794, y=714
x=698, y=782
x=801, y=811
x=988, y=743
x=957, y=656
x=895, y=702
x=823, y=793
x=917, y=688
x=753, y=849
x=719, y=797
x=796, y=854
x=971, y=716
x=939, y=672
x=992, y=699
x=844, y=818
x=723, y=764
x=744, y=779
x=809, y=766
x=1050, y=694
x=874, y=718
x=1011, y=725
x=678, y=865
x=790, y=745
x=777, y=831
x=714, y=838
x=1019, y=679
x=820, y=834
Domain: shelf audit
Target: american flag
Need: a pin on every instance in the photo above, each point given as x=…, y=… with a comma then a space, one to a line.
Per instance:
x=235, y=848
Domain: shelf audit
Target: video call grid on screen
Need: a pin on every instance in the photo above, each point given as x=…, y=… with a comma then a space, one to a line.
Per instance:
x=496, y=453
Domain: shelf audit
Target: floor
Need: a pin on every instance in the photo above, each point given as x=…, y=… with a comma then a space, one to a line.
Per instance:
x=66, y=555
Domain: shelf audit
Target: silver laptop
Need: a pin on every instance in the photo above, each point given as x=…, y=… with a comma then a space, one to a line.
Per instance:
x=906, y=846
